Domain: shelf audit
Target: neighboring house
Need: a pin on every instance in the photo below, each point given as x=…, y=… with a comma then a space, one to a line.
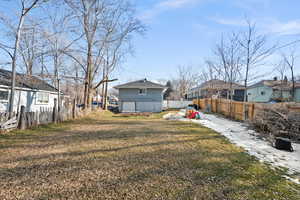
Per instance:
x=140, y=96
x=217, y=88
x=31, y=92
x=273, y=90
x=297, y=93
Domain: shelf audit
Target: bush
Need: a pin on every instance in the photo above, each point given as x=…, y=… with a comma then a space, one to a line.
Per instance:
x=278, y=123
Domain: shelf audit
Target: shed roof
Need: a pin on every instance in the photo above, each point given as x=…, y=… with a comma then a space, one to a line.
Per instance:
x=25, y=81
x=144, y=83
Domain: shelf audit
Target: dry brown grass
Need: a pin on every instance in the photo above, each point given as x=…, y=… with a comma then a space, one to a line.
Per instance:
x=105, y=156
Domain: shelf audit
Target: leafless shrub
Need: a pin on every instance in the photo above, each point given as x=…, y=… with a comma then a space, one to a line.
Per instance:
x=278, y=122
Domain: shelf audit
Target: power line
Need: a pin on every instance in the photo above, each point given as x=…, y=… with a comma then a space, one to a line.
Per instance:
x=286, y=45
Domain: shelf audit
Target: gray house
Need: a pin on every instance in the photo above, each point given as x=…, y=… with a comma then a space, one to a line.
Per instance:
x=276, y=90
x=217, y=88
x=140, y=96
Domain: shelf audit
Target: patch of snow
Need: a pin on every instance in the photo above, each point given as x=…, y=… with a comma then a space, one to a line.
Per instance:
x=239, y=134
x=175, y=116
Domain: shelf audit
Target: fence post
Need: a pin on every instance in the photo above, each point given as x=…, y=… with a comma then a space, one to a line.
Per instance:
x=217, y=105
x=37, y=117
x=22, y=121
x=54, y=113
x=252, y=111
x=74, y=109
x=246, y=111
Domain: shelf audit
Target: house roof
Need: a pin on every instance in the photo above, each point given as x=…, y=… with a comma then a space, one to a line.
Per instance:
x=216, y=84
x=25, y=81
x=144, y=83
x=276, y=84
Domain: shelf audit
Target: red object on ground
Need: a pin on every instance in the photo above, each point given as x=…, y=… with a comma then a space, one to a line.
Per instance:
x=192, y=115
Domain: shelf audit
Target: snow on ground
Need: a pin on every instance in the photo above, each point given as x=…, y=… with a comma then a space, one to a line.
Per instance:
x=239, y=134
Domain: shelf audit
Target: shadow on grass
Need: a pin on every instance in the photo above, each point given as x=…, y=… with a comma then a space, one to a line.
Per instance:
x=179, y=174
x=145, y=159
x=135, y=130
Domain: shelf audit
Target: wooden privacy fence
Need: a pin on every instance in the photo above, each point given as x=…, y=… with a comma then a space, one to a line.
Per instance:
x=237, y=110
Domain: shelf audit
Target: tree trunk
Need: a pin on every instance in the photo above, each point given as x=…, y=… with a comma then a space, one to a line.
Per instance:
x=230, y=101
x=85, y=97
x=246, y=79
x=88, y=83
x=105, y=95
x=293, y=86
x=103, y=87
x=13, y=65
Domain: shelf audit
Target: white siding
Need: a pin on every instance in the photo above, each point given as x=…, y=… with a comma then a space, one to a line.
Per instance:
x=128, y=107
x=28, y=99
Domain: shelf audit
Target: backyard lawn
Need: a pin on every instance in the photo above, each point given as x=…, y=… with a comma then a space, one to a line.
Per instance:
x=106, y=156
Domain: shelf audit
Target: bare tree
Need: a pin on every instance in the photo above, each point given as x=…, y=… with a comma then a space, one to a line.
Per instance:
x=212, y=71
x=187, y=78
x=28, y=48
x=289, y=60
x=228, y=53
x=106, y=25
x=281, y=69
x=255, y=51
x=12, y=51
x=88, y=15
x=56, y=33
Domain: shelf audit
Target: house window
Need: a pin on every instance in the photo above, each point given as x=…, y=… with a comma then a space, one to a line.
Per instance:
x=142, y=91
x=42, y=98
x=3, y=95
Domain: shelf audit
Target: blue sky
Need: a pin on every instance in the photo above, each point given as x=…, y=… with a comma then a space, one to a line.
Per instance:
x=183, y=32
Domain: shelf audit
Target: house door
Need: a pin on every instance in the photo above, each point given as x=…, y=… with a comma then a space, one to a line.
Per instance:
x=128, y=107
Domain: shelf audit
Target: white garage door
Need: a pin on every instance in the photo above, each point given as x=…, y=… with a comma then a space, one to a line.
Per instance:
x=149, y=106
x=128, y=107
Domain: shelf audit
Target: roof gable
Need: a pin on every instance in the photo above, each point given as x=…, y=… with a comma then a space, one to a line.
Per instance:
x=144, y=83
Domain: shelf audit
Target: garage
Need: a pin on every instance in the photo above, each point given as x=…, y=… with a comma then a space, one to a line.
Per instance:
x=128, y=107
x=140, y=96
x=148, y=106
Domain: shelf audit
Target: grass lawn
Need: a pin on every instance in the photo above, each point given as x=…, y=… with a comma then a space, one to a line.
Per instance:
x=106, y=156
